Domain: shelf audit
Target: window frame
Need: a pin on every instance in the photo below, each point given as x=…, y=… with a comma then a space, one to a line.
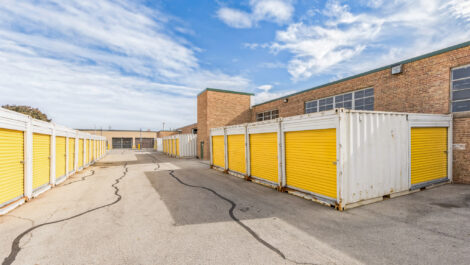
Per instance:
x=451, y=90
x=271, y=115
x=353, y=99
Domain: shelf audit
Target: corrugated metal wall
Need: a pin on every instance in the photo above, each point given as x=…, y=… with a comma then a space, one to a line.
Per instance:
x=71, y=154
x=218, y=151
x=264, y=156
x=311, y=161
x=80, y=153
x=41, y=159
x=11, y=165
x=60, y=156
x=428, y=154
x=236, y=153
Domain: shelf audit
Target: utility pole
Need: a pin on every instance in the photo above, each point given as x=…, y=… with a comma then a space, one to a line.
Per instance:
x=163, y=126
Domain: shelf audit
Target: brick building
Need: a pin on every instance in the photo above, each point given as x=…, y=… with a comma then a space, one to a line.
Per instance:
x=438, y=82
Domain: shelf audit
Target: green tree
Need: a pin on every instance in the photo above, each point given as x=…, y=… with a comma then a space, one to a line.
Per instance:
x=30, y=111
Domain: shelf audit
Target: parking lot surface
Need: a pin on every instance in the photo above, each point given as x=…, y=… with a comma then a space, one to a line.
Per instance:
x=135, y=207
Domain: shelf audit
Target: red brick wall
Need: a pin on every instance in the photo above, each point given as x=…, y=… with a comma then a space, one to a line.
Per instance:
x=188, y=129
x=216, y=109
x=423, y=87
x=461, y=137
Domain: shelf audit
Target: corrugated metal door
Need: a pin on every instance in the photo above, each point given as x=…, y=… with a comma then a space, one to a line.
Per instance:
x=177, y=147
x=71, y=153
x=11, y=165
x=94, y=150
x=80, y=153
x=218, y=150
x=236, y=153
x=41, y=159
x=311, y=161
x=172, y=146
x=60, y=156
x=263, y=156
x=428, y=154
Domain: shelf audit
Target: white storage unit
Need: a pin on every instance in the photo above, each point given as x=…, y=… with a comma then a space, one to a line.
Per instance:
x=345, y=158
x=159, y=144
x=180, y=145
x=28, y=157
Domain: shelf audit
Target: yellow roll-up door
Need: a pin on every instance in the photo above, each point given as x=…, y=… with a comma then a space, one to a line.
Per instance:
x=41, y=159
x=263, y=156
x=428, y=154
x=177, y=147
x=71, y=154
x=60, y=156
x=93, y=143
x=218, y=151
x=11, y=165
x=311, y=161
x=173, y=147
x=80, y=153
x=236, y=153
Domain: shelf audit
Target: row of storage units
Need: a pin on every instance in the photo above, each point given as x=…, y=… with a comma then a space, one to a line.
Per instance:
x=37, y=155
x=180, y=145
x=342, y=158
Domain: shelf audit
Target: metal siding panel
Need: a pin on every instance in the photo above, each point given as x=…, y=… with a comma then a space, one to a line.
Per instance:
x=11, y=165
x=218, y=151
x=264, y=156
x=177, y=147
x=80, y=152
x=311, y=161
x=428, y=154
x=236, y=153
x=71, y=153
x=60, y=156
x=41, y=159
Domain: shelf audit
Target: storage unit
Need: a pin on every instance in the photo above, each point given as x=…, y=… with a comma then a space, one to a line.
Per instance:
x=159, y=143
x=71, y=154
x=180, y=145
x=41, y=160
x=343, y=158
x=218, y=150
x=80, y=153
x=60, y=156
x=11, y=166
x=236, y=153
x=428, y=155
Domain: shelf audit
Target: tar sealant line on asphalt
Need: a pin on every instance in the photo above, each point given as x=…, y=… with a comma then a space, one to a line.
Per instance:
x=15, y=246
x=233, y=217
x=82, y=179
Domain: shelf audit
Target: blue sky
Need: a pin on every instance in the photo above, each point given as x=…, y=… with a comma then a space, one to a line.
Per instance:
x=136, y=64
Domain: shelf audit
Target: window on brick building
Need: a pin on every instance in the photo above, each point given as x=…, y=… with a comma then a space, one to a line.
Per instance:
x=360, y=100
x=461, y=89
x=267, y=115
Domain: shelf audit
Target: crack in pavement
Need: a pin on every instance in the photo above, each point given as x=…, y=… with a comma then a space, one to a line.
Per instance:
x=233, y=217
x=82, y=179
x=15, y=246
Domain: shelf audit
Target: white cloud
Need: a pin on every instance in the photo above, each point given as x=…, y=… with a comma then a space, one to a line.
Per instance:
x=335, y=44
x=234, y=18
x=278, y=11
x=103, y=63
x=265, y=88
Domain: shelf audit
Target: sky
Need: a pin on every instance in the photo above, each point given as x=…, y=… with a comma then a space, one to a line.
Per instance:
x=136, y=64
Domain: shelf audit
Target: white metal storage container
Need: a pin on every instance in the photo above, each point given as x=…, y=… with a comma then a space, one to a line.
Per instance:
x=342, y=158
x=35, y=156
x=180, y=145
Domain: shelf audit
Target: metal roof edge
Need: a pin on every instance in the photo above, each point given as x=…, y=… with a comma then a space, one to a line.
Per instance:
x=225, y=91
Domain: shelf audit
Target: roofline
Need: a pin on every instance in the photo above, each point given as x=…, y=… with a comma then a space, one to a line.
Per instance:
x=225, y=91
x=113, y=130
x=417, y=58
